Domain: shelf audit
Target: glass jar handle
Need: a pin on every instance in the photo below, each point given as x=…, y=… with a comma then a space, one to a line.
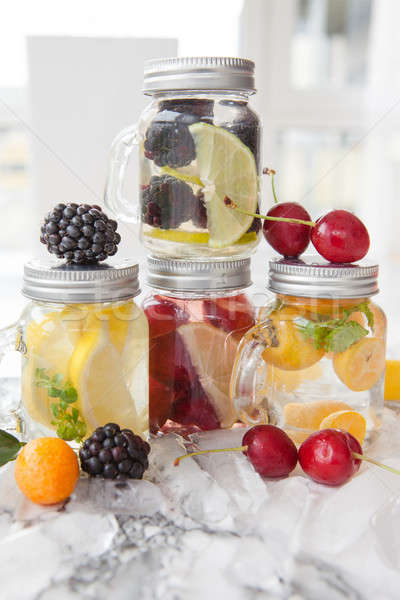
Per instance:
x=10, y=339
x=114, y=199
x=247, y=386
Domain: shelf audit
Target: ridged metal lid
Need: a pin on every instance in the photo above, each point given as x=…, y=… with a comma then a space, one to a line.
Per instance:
x=198, y=276
x=48, y=281
x=198, y=73
x=313, y=277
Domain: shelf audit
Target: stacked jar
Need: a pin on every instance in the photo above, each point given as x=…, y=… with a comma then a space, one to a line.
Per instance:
x=199, y=145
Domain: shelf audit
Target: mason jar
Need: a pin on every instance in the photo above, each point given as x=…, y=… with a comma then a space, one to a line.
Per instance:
x=84, y=346
x=316, y=357
x=199, y=143
x=197, y=313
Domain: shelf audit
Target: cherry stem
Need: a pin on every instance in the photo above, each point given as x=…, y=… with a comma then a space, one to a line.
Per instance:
x=228, y=202
x=271, y=173
x=238, y=449
x=376, y=462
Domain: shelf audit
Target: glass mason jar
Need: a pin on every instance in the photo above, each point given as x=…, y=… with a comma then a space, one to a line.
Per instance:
x=199, y=142
x=84, y=346
x=197, y=313
x=317, y=353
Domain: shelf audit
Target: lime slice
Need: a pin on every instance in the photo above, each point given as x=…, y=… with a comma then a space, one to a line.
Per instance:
x=192, y=237
x=227, y=168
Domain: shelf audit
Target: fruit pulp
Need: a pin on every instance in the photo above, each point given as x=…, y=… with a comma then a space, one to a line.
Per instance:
x=193, y=343
x=196, y=152
x=306, y=383
x=100, y=350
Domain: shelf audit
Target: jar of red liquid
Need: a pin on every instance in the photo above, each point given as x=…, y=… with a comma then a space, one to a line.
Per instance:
x=197, y=313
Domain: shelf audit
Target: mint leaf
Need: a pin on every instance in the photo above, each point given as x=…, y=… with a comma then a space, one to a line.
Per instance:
x=54, y=392
x=69, y=395
x=342, y=337
x=9, y=447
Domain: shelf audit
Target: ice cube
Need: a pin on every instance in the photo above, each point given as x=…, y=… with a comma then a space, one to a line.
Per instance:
x=134, y=497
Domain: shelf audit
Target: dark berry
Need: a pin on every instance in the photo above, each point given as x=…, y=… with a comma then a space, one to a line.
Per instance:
x=169, y=142
x=167, y=202
x=105, y=453
x=72, y=227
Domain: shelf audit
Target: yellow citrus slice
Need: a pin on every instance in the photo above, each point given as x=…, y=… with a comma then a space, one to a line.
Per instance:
x=392, y=380
x=308, y=415
x=361, y=366
x=192, y=237
x=96, y=372
x=227, y=169
x=50, y=343
x=348, y=420
x=212, y=353
x=288, y=381
x=287, y=348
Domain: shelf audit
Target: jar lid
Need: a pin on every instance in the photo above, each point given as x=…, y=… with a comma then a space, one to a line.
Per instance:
x=50, y=281
x=313, y=277
x=198, y=73
x=198, y=276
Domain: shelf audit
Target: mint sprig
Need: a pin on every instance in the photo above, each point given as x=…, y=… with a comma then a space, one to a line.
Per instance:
x=67, y=419
x=9, y=447
x=336, y=335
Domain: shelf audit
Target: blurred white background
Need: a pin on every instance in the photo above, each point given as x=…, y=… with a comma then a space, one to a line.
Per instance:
x=328, y=77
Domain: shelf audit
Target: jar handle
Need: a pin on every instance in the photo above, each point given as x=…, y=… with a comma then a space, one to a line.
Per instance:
x=247, y=385
x=114, y=199
x=10, y=339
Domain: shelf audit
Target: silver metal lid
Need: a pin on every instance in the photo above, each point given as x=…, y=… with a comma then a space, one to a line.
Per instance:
x=48, y=281
x=313, y=277
x=198, y=73
x=198, y=276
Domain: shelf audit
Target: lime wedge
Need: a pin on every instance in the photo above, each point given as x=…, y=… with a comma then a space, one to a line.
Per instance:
x=227, y=168
x=192, y=237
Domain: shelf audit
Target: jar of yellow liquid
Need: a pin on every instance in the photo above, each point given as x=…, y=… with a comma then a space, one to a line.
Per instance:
x=316, y=358
x=84, y=343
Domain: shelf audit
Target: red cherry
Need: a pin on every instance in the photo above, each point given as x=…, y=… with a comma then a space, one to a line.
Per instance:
x=163, y=316
x=340, y=237
x=289, y=239
x=233, y=313
x=326, y=456
x=270, y=450
x=355, y=447
x=191, y=405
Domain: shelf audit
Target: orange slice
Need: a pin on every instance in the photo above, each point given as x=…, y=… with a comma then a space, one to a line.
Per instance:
x=392, y=380
x=287, y=349
x=212, y=353
x=308, y=415
x=348, y=420
x=360, y=366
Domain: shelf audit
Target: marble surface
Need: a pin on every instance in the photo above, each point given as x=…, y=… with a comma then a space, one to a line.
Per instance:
x=211, y=528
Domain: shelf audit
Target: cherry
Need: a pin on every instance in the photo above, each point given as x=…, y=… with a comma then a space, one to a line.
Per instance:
x=233, y=313
x=340, y=237
x=288, y=239
x=327, y=457
x=269, y=449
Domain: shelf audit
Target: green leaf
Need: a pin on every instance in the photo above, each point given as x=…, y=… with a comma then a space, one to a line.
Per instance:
x=54, y=392
x=81, y=429
x=9, y=447
x=344, y=336
x=69, y=395
x=75, y=414
x=63, y=404
x=57, y=379
x=55, y=410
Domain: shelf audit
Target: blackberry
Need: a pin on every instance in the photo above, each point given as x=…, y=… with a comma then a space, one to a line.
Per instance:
x=113, y=453
x=199, y=212
x=168, y=141
x=80, y=233
x=167, y=202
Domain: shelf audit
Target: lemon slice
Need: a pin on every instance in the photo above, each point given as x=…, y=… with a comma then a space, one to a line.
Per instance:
x=192, y=237
x=361, y=366
x=212, y=353
x=95, y=370
x=227, y=168
x=348, y=420
x=308, y=415
x=50, y=344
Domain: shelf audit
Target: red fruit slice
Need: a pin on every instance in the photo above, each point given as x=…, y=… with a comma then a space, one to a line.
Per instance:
x=160, y=402
x=232, y=314
x=195, y=409
x=212, y=354
x=163, y=316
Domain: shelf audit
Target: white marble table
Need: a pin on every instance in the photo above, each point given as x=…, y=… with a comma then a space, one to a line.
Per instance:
x=211, y=528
